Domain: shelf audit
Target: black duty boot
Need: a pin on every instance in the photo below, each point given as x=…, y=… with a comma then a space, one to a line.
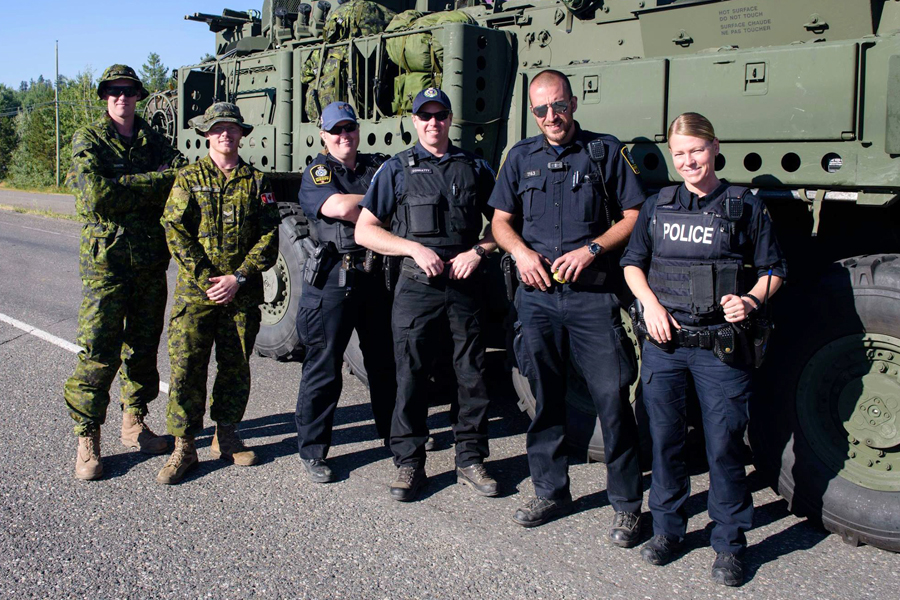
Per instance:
x=625, y=530
x=408, y=482
x=540, y=510
x=317, y=470
x=476, y=477
x=660, y=550
x=728, y=570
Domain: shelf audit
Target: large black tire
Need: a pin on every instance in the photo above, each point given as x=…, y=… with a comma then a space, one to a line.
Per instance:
x=827, y=431
x=278, y=336
x=583, y=433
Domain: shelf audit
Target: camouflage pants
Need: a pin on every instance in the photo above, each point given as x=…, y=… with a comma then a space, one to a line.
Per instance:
x=193, y=329
x=119, y=324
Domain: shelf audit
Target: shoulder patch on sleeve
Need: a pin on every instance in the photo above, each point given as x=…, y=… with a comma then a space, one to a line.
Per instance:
x=630, y=160
x=321, y=175
x=267, y=198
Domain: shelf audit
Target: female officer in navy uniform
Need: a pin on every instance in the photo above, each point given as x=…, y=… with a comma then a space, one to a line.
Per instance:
x=684, y=263
x=343, y=296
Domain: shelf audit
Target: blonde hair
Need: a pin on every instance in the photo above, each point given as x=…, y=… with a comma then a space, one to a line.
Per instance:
x=694, y=125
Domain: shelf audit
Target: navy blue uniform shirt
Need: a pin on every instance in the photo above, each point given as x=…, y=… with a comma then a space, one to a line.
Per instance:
x=562, y=208
x=326, y=176
x=386, y=188
x=756, y=244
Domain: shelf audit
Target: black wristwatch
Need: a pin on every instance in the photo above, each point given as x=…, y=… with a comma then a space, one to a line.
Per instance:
x=479, y=250
x=594, y=248
x=241, y=279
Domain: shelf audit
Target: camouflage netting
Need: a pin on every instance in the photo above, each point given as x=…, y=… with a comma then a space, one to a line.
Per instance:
x=356, y=18
x=420, y=56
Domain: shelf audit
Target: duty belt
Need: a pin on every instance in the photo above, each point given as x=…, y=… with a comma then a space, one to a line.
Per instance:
x=695, y=338
x=411, y=270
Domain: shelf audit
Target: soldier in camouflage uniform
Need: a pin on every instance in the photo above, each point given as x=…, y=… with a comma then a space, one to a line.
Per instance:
x=221, y=223
x=121, y=176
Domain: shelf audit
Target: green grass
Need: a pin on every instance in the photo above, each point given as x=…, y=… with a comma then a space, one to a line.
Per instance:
x=39, y=212
x=41, y=189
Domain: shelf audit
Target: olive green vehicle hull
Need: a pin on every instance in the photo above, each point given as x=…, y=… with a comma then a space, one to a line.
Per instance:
x=805, y=98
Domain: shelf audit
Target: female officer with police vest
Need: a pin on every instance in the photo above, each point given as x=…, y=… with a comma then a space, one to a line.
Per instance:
x=684, y=264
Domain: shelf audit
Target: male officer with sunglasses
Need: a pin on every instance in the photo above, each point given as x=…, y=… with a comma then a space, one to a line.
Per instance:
x=433, y=195
x=565, y=187
x=121, y=174
x=346, y=291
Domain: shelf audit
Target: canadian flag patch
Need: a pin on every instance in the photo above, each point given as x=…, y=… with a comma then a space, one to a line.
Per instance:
x=267, y=198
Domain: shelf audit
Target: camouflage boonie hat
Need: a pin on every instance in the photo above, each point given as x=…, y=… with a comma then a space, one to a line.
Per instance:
x=220, y=112
x=120, y=72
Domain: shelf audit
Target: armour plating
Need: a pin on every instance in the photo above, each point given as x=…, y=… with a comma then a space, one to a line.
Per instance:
x=438, y=207
x=338, y=232
x=689, y=270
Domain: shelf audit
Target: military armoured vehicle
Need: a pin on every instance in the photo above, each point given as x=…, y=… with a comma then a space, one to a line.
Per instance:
x=805, y=98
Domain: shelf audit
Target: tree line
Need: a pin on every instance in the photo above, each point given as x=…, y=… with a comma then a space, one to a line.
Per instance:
x=28, y=121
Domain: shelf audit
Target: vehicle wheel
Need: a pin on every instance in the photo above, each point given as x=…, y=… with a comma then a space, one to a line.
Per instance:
x=278, y=337
x=583, y=433
x=827, y=431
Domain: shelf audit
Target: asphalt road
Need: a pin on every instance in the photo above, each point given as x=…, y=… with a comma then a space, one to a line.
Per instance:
x=266, y=532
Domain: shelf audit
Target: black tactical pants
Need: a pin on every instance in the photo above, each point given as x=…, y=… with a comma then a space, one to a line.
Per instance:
x=325, y=322
x=422, y=316
x=587, y=326
x=723, y=391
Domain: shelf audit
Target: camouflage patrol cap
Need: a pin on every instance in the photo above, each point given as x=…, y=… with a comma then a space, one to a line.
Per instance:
x=220, y=112
x=120, y=72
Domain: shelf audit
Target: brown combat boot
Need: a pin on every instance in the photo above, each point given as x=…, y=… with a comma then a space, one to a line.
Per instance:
x=136, y=434
x=227, y=444
x=183, y=459
x=87, y=461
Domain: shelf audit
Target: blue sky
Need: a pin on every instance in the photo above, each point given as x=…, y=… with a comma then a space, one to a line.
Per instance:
x=97, y=33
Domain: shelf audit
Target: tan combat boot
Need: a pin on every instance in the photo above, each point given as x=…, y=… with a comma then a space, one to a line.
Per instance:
x=136, y=434
x=183, y=459
x=227, y=444
x=87, y=461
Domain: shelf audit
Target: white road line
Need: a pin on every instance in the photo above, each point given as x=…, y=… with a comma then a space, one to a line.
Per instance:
x=41, y=230
x=49, y=337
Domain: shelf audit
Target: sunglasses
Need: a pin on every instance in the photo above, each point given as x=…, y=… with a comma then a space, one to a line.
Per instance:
x=561, y=107
x=427, y=116
x=116, y=91
x=348, y=128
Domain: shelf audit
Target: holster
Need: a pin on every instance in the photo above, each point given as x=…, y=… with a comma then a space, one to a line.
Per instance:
x=313, y=272
x=753, y=338
x=391, y=271
x=510, y=275
x=636, y=312
x=411, y=270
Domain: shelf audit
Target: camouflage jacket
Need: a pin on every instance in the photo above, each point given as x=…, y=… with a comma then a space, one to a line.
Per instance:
x=218, y=225
x=119, y=194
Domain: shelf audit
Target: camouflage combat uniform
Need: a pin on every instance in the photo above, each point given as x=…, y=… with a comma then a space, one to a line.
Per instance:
x=216, y=225
x=120, y=197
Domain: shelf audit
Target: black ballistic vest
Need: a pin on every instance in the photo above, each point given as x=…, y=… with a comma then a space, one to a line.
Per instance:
x=438, y=207
x=689, y=269
x=338, y=232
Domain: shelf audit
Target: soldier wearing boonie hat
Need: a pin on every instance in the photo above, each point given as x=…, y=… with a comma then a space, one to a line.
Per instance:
x=220, y=112
x=121, y=177
x=221, y=225
x=348, y=292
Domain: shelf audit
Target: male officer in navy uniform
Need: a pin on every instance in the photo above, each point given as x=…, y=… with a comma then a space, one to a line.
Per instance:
x=434, y=195
x=347, y=291
x=567, y=185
